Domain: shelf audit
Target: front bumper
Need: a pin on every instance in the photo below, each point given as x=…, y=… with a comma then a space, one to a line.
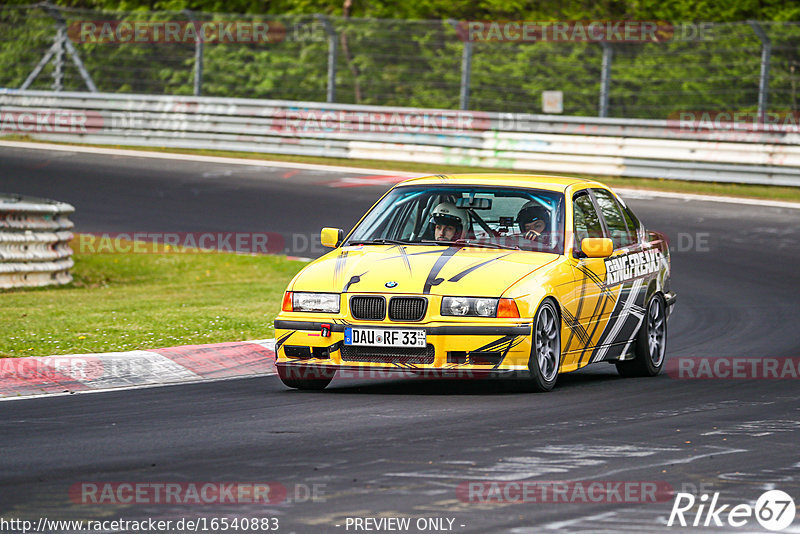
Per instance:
x=310, y=371
x=670, y=298
x=453, y=349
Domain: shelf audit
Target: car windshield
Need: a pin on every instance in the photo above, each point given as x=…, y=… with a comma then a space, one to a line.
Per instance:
x=491, y=217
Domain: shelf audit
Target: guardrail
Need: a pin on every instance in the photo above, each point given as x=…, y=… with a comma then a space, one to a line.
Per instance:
x=695, y=150
x=34, y=242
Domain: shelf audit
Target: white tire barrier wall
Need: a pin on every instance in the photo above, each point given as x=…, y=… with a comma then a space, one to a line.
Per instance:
x=34, y=242
x=585, y=145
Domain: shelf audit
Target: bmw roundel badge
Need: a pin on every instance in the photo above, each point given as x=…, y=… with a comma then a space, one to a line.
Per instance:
x=391, y=284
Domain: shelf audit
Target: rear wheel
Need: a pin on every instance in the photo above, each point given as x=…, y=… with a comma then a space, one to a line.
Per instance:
x=309, y=379
x=545, y=356
x=651, y=342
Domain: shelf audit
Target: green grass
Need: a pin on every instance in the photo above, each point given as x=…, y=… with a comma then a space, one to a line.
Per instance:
x=767, y=192
x=121, y=302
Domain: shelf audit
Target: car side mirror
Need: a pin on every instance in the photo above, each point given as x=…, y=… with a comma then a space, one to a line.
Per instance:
x=597, y=247
x=331, y=237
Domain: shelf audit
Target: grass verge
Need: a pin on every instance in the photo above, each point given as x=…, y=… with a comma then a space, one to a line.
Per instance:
x=766, y=192
x=121, y=302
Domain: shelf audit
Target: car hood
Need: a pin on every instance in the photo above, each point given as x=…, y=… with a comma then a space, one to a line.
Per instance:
x=435, y=269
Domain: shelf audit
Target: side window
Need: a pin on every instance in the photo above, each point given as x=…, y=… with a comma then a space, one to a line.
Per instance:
x=632, y=222
x=621, y=235
x=586, y=221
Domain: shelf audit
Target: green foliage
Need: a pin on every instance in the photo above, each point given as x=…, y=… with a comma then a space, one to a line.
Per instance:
x=671, y=10
x=416, y=62
x=120, y=302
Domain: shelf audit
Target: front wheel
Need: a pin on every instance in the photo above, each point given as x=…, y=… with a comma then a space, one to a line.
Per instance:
x=295, y=378
x=651, y=342
x=545, y=356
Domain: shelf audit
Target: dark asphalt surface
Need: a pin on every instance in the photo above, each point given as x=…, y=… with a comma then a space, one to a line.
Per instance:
x=401, y=448
x=113, y=194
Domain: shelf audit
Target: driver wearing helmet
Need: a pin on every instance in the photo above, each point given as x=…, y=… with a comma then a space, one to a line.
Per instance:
x=533, y=220
x=449, y=222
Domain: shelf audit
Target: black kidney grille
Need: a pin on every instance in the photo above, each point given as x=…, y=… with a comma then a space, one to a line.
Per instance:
x=368, y=308
x=388, y=354
x=407, y=308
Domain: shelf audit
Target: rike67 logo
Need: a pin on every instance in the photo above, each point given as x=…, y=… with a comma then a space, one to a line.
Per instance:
x=774, y=510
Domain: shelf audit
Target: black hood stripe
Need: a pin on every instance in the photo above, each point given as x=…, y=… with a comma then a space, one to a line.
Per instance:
x=437, y=267
x=468, y=270
x=353, y=280
x=406, y=254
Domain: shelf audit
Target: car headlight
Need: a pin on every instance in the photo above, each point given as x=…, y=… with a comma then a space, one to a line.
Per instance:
x=469, y=306
x=315, y=302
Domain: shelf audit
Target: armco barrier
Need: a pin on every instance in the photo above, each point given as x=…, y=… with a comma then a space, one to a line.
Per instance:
x=34, y=242
x=585, y=145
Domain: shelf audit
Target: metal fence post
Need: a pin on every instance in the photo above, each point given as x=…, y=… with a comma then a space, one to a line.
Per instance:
x=466, y=75
x=763, y=79
x=605, y=78
x=466, y=69
x=58, y=64
x=198, y=54
x=333, y=51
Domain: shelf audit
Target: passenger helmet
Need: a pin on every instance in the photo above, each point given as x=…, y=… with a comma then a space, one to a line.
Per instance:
x=448, y=214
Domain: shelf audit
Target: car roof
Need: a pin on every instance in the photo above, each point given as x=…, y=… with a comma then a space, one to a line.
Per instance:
x=538, y=181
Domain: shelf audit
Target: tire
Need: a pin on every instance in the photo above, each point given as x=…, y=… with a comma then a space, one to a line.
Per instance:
x=545, y=358
x=650, y=349
x=318, y=380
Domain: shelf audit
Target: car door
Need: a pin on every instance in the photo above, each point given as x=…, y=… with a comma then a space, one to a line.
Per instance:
x=588, y=305
x=627, y=277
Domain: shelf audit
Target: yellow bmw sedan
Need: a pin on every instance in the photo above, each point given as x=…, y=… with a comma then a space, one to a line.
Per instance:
x=481, y=275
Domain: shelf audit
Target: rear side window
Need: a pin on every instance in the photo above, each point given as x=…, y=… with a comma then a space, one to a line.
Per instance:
x=586, y=221
x=632, y=222
x=621, y=234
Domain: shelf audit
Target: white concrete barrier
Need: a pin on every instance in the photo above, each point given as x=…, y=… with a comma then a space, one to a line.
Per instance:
x=34, y=242
x=548, y=143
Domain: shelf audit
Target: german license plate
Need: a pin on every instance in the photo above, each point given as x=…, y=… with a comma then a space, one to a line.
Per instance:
x=379, y=337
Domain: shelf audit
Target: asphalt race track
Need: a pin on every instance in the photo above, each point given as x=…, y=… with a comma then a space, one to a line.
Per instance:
x=402, y=448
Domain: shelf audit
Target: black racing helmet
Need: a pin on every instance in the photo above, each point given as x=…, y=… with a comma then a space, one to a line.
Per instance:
x=532, y=211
